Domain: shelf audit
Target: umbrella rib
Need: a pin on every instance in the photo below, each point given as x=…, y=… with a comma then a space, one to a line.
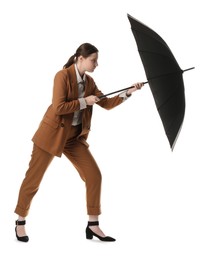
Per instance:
x=170, y=73
x=152, y=36
x=166, y=101
x=165, y=74
x=158, y=54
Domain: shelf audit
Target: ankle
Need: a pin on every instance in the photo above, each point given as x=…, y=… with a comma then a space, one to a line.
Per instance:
x=93, y=218
x=21, y=218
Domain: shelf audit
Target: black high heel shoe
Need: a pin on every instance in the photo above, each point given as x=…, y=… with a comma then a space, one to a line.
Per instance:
x=90, y=233
x=24, y=238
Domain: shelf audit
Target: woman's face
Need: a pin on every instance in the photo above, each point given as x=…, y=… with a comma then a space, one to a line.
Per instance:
x=90, y=63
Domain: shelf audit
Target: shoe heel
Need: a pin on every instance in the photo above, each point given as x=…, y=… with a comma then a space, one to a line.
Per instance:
x=89, y=234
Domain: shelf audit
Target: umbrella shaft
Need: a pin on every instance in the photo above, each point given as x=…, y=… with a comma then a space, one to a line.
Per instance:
x=118, y=91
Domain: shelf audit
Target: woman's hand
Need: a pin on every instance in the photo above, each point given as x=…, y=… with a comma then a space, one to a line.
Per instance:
x=91, y=100
x=135, y=87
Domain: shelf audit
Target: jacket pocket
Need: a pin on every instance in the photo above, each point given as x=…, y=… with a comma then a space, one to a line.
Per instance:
x=50, y=122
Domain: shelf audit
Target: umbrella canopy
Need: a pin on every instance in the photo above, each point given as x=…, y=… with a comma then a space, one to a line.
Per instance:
x=164, y=77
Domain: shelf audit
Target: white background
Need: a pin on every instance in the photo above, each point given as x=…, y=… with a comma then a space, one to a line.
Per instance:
x=152, y=198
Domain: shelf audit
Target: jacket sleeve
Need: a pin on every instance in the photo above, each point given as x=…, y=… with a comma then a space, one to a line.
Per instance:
x=59, y=100
x=108, y=103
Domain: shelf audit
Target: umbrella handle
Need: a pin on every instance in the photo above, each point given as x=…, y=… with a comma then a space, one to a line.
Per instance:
x=102, y=96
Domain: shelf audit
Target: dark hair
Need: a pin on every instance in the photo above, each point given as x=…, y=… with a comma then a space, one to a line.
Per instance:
x=84, y=50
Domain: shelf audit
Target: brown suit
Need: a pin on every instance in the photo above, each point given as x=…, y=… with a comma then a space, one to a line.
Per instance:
x=56, y=123
x=56, y=135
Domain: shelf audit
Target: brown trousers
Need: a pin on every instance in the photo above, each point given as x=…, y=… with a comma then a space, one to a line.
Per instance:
x=82, y=160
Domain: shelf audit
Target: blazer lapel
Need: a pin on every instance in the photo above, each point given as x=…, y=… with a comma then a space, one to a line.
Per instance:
x=73, y=83
x=88, y=90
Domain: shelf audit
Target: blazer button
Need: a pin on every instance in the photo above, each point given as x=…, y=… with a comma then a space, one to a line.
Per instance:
x=62, y=125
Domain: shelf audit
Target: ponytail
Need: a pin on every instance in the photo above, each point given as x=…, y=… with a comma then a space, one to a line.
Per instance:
x=70, y=61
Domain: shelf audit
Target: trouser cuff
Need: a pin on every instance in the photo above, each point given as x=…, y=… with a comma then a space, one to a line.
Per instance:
x=21, y=212
x=93, y=211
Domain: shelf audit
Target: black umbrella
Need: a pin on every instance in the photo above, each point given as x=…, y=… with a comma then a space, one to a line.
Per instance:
x=164, y=77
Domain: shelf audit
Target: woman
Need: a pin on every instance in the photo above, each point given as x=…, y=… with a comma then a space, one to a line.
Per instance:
x=64, y=130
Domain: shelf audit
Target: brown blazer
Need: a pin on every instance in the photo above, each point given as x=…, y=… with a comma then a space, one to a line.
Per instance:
x=52, y=133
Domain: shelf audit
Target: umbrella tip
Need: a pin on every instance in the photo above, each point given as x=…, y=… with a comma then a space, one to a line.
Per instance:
x=129, y=16
x=188, y=69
